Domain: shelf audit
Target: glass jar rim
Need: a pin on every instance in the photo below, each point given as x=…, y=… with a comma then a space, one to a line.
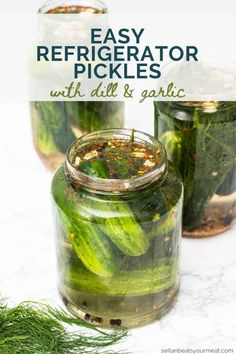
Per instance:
x=203, y=106
x=52, y=4
x=116, y=185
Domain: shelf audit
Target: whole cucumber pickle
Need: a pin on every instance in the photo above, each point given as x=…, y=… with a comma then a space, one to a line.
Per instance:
x=92, y=247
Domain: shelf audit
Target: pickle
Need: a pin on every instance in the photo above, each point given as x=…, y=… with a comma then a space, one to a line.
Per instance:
x=154, y=277
x=124, y=231
x=90, y=245
x=55, y=116
x=95, y=168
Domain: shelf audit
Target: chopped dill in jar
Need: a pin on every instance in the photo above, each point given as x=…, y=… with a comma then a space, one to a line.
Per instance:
x=116, y=159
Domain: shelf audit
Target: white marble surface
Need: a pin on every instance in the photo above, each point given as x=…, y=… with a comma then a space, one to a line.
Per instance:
x=205, y=313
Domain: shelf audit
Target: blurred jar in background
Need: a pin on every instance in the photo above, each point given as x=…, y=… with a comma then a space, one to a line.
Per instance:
x=56, y=124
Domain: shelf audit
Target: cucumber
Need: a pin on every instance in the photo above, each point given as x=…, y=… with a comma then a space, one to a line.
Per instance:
x=55, y=117
x=42, y=136
x=86, y=168
x=92, y=247
x=164, y=225
x=116, y=219
x=66, y=198
x=158, y=210
x=95, y=168
x=172, y=142
x=95, y=115
x=152, y=278
x=122, y=228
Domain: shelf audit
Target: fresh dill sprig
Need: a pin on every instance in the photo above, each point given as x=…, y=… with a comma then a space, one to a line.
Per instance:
x=35, y=328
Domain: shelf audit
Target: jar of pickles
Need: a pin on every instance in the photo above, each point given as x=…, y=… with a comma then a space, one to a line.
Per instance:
x=117, y=209
x=200, y=139
x=56, y=124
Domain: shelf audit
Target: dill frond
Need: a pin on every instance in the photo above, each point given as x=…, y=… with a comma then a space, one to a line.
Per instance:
x=35, y=328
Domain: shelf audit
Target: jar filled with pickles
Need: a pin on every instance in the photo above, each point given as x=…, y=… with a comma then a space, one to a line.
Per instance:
x=200, y=139
x=118, y=217
x=56, y=124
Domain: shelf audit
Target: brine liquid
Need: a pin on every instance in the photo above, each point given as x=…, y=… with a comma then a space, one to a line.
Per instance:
x=219, y=217
x=112, y=311
x=118, y=312
x=122, y=159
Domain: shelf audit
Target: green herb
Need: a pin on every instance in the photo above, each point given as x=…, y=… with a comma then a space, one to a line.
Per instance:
x=132, y=136
x=35, y=328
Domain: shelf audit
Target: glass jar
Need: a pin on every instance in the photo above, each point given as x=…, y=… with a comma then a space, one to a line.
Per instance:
x=56, y=124
x=118, y=239
x=200, y=139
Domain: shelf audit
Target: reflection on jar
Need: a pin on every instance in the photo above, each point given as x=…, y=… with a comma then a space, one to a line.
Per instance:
x=200, y=139
x=118, y=213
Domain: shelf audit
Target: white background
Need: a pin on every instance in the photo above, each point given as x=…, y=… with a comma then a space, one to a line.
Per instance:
x=205, y=313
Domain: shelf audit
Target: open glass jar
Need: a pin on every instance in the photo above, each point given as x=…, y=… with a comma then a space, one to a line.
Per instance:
x=118, y=238
x=56, y=124
x=200, y=139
